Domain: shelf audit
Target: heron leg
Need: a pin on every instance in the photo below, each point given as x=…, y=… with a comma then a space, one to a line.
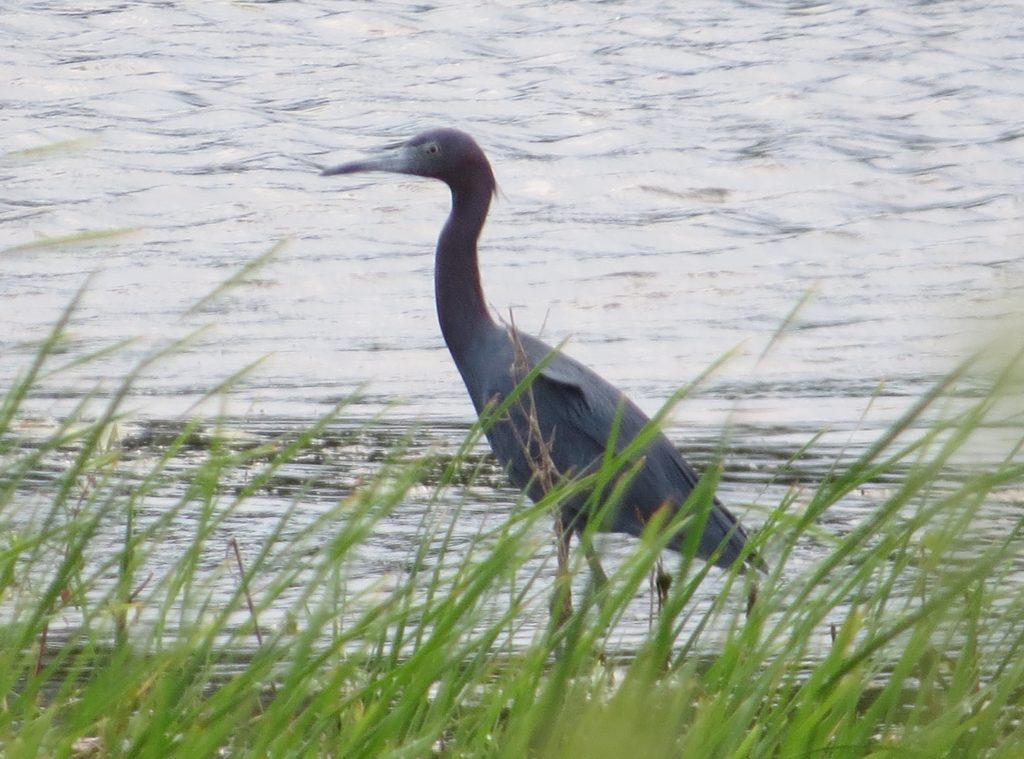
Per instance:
x=561, y=601
x=661, y=581
x=597, y=573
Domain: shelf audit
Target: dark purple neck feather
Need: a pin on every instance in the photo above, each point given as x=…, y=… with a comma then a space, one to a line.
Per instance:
x=461, y=309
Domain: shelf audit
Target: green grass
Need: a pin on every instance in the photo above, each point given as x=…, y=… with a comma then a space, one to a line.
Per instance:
x=905, y=637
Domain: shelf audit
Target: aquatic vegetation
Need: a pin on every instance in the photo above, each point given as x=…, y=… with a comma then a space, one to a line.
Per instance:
x=133, y=622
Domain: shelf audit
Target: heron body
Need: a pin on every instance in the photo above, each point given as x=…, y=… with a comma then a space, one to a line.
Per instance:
x=569, y=416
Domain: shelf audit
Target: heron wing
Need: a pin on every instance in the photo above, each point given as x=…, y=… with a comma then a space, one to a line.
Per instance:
x=582, y=413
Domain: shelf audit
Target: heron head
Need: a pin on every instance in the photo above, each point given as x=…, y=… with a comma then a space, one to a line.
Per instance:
x=446, y=154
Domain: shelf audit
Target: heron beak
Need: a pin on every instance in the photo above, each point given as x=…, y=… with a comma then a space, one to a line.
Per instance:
x=393, y=158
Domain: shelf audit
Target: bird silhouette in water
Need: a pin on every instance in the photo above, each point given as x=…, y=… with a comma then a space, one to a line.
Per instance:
x=564, y=422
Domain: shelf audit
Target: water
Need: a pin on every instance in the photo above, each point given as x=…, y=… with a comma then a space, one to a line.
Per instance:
x=675, y=180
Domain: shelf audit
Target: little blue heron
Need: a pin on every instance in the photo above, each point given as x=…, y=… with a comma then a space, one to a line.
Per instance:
x=570, y=415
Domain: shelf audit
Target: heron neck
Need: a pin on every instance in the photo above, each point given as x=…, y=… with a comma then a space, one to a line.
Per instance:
x=461, y=309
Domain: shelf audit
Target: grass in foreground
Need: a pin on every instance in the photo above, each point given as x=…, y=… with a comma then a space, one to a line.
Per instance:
x=905, y=638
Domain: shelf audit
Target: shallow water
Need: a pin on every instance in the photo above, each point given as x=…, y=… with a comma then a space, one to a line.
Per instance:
x=674, y=181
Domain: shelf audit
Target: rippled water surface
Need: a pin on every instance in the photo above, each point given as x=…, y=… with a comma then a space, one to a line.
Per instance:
x=675, y=178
